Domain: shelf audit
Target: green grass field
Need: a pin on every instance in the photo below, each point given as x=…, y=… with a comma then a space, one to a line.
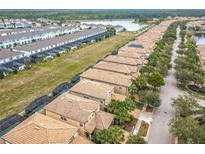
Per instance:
x=18, y=90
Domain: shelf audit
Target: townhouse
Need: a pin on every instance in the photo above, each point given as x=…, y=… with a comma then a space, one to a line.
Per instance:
x=25, y=37
x=7, y=55
x=92, y=90
x=45, y=45
x=80, y=112
x=120, y=81
x=118, y=68
x=125, y=60
x=41, y=129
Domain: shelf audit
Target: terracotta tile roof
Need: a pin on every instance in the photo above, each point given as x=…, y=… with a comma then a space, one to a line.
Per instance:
x=1, y=141
x=81, y=140
x=119, y=97
x=118, y=68
x=123, y=60
x=74, y=107
x=92, y=88
x=104, y=120
x=90, y=126
x=132, y=54
x=108, y=77
x=40, y=129
x=146, y=40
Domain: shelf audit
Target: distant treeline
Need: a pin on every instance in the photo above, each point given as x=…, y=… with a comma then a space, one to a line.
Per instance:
x=98, y=14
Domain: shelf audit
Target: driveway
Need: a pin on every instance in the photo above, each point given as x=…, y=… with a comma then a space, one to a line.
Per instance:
x=159, y=132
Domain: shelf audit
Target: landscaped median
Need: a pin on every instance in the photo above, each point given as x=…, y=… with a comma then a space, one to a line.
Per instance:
x=189, y=72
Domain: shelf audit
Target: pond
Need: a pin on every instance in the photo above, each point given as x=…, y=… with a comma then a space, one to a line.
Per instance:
x=127, y=23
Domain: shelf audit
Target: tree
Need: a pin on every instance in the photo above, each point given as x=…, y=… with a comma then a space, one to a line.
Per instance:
x=198, y=79
x=103, y=136
x=150, y=98
x=136, y=139
x=129, y=104
x=156, y=79
x=117, y=135
x=113, y=135
x=183, y=76
x=185, y=128
x=147, y=69
x=119, y=109
x=139, y=84
x=122, y=115
x=185, y=105
x=1, y=74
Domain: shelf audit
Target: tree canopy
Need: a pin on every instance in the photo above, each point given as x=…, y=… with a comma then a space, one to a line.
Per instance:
x=156, y=79
x=113, y=135
x=150, y=98
x=185, y=105
x=136, y=139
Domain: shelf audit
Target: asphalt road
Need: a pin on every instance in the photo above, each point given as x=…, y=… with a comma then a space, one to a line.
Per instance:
x=159, y=131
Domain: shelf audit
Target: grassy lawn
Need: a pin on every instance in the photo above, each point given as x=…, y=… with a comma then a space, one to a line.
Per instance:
x=143, y=129
x=18, y=90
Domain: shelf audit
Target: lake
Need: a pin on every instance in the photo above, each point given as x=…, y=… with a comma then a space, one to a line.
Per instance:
x=127, y=23
x=200, y=40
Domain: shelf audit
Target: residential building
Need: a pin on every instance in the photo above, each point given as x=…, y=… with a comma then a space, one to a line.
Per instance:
x=133, y=54
x=92, y=90
x=118, y=68
x=51, y=43
x=9, y=25
x=80, y=112
x=1, y=24
x=7, y=55
x=124, y=60
x=41, y=129
x=31, y=35
x=120, y=82
x=119, y=28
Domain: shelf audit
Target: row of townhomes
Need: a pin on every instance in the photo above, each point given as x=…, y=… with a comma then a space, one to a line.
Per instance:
x=75, y=115
x=28, y=36
x=15, y=23
x=20, y=46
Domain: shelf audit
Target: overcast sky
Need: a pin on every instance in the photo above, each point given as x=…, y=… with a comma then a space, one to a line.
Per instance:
x=102, y=4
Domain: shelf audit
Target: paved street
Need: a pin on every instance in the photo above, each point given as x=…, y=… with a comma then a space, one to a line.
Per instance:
x=159, y=132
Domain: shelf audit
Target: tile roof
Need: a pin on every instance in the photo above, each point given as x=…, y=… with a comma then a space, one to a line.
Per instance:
x=40, y=129
x=90, y=126
x=81, y=140
x=73, y=107
x=123, y=60
x=118, y=68
x=119, y=97
x=108, y=77
x=104, y=120
x=2, y=141
x=92, y=88
x=131, y=54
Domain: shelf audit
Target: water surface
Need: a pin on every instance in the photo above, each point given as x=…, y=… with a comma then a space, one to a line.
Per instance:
x=127, y=23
